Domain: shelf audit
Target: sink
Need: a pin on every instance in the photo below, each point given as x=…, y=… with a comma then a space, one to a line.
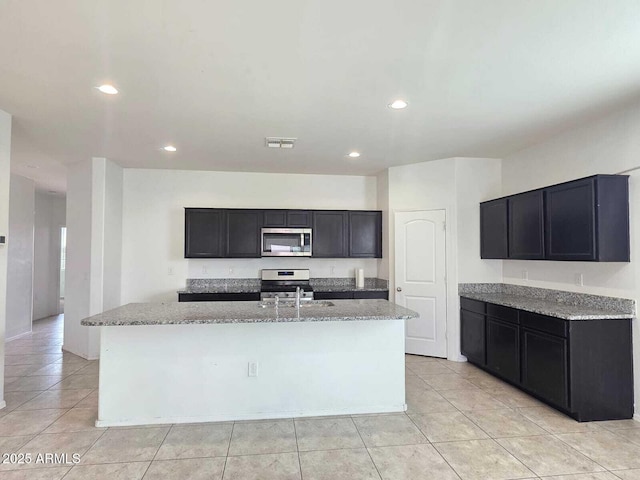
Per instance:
x=305, y=304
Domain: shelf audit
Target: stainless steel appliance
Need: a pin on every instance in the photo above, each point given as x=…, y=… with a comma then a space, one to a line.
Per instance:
x=286, y=242
x=283, y=284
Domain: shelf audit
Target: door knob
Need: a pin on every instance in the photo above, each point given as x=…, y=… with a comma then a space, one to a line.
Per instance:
x=399, y=289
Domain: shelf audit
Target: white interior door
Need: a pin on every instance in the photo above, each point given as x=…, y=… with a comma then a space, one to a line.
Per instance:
x=420, y=279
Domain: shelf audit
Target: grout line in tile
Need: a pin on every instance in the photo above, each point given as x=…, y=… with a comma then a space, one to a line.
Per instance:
x=556, y=435
x=295, y=433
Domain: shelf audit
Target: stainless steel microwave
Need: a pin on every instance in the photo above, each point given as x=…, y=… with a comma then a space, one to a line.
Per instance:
x=286, y=242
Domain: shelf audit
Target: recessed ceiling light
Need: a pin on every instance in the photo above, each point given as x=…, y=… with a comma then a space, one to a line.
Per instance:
x=108, y=89
x=169, y=148
x=398, y=104
x=354, y=154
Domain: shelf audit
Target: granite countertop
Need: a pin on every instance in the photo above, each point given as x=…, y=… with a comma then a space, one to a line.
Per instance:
x=348, y=288
x=246, y=312
x=548, y=307
x=222, y=289
x=252, y=285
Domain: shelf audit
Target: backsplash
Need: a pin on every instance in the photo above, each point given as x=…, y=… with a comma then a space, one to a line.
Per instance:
x=571, y=298
x=348, y=282
x=250, y=267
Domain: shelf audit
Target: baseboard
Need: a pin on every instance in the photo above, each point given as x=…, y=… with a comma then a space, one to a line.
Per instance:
x=636, y=417
x=3, y=404
x=457, y=358
x=81, y=355
x=15, y=337
x=248, y=416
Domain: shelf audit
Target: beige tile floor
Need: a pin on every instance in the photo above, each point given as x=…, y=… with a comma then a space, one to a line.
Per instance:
x=461, y=424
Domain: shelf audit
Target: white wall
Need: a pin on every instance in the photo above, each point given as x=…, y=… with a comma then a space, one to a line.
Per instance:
x=5, y=168
x=112, y=248
x=94, y=236
x=50, y=215
x=455, y=185
x=20, y=256
x=382, y=190
x=153, y=223
x=610, y=144
x=477, y=180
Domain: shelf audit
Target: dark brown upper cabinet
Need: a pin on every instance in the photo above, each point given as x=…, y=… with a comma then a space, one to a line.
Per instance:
x=582, y=220
x=526, y=226
x=236, y=233
x=588, y=219
x=365, y=234
x=287, y=218
x=203, y=233
x=243, y=233
x=493, y=229
x=330, y=233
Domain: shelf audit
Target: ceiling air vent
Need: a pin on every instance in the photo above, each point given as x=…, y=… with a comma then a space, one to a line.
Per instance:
x=279, y=142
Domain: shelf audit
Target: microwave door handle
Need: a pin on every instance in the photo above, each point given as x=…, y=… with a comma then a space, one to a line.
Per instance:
x=301, y=242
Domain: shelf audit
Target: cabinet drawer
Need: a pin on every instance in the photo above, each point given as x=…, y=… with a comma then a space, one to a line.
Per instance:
x=371, y=294
x=333, y=295
x=503, y=313
x=552, y=325
x=218, y=297
x=472, y=305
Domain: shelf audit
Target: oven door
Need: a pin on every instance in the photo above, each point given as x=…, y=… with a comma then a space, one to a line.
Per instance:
x=286, y=242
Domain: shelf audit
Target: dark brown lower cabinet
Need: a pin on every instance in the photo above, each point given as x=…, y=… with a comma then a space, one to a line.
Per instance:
x=219, y=297
x=472, y=336
x=544, y=366
x=503, y=353
x=581, y=367
x=352, y=295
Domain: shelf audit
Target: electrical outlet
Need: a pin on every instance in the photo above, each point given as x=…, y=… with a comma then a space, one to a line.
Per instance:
x=525, y=274
x=332, y=270
x=205, y=269
x=578, y=278
x=171, y=271
x=230, y=270
x=253, y=369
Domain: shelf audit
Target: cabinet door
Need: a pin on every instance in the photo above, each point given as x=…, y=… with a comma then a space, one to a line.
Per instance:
x=365, y=234
x=243, y=233
x=526, y=240
x=503, y=350
x=298, y=219
x=275, y=218
x=330, y=234
x=203, y=233
x=493, y=229
x=570, y=219
x=544, y=366
x=472, y=336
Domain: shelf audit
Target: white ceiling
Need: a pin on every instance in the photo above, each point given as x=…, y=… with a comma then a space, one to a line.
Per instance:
x=482, y=78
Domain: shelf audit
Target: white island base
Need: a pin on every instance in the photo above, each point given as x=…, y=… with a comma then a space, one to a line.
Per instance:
x=156, y=374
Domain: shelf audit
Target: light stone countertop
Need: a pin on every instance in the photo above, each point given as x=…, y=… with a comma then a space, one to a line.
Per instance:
x=551, y=308
x=246, y=312
x=252, y=285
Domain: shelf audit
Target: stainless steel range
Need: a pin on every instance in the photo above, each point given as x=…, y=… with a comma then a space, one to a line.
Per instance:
x=284, y=283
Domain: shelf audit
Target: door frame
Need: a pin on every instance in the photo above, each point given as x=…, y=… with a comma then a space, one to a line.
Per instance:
x=452, y=304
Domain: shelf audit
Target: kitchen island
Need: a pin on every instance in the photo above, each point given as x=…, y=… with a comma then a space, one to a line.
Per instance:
x=217, y=361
